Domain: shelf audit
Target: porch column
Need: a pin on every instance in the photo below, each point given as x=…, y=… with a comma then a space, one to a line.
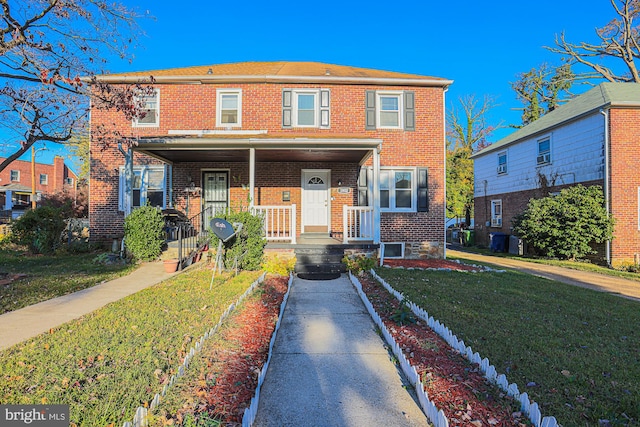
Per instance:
x=252, y=175
x=376, y=195
x=128, y=179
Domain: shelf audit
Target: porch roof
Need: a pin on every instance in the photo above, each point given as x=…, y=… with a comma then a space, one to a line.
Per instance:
x=210, y=146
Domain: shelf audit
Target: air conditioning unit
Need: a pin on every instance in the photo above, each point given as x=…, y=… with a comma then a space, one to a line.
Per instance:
x=502, y=169
x=544, y=158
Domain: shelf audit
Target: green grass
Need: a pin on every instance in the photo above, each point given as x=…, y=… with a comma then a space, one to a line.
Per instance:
x=577, y=349
x=50, y=276
x=108, y=363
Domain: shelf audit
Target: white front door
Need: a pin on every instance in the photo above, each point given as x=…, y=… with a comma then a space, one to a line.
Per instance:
x=315, y=200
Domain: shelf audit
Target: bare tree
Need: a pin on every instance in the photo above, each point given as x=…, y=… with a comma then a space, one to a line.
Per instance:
x=619, y=44
x=49, y=50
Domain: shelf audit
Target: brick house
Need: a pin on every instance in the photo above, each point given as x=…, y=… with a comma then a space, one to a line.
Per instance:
x=322, y=150
x=16, y=182
x=591, y=140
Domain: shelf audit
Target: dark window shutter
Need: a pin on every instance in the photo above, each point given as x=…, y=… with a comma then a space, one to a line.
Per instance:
x=409, y=111
x=364, y=178
x=370, y=108
x=423, y=190
x=325, y=102
x=286, y=108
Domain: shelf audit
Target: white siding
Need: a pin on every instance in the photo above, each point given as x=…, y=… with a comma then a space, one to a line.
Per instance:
x=577, y=155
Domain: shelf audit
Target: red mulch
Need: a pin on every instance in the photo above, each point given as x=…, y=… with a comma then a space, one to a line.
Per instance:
x=429, y=263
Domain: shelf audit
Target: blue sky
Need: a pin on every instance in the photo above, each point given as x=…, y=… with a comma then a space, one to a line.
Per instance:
x=482, y=46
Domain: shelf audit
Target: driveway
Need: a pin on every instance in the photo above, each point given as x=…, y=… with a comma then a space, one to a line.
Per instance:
x=598, y=282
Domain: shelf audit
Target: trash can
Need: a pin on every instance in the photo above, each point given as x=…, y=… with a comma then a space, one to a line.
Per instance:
x=498, y=242
x=468, y=237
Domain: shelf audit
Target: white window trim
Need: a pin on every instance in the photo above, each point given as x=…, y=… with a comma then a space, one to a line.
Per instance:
x=143, y=186
x=135, y=122
x=11, y=176
x=46, y=179
x=316, y=107
x=503, y=169
x=384, y=245
x=546, y=158
x=496, y=221
x=400, y=96
x=392, y=191
x=219, y=94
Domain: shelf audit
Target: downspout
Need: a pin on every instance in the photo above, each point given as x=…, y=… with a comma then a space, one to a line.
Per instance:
x=444, y=180
x=128, y=179
x=606, y=178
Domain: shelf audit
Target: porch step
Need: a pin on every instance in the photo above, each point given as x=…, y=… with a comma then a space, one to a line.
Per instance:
x=321, y=262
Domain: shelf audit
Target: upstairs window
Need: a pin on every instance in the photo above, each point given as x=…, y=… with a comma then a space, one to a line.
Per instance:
x=68, y=181
x=229, y=108
x=502, y=163
x=390, y=110
x=44, y=179
x=150, y=116
x=544, y=151
x=305, y=108
x=15, y=176
x=496, y=213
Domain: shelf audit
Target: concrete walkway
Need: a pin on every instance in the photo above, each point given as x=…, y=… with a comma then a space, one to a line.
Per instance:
x=598, y=282
x=329, y=366
x=20, y=325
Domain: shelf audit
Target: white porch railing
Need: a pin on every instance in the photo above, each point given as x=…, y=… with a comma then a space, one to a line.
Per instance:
x=357, y=223
x=279, y=222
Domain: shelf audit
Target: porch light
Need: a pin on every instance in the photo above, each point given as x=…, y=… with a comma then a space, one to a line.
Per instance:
x=339, y=183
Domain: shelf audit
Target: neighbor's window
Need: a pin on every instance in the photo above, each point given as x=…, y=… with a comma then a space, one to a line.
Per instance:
x=544, y=151
x=44, y=179
x=150, y=110
x=397, y=190
x=15, y=176
x=229, y=108
x=496, y=213
x=502, y=163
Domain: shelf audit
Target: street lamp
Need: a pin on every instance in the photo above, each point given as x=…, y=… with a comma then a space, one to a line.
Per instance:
x=33, y=174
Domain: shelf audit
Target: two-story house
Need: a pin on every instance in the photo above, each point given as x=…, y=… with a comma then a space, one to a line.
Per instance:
x=321, y=150
x=22, y=179
x=591, y=140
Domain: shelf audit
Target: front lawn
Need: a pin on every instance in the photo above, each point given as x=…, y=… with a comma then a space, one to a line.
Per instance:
x=106, y=364
x=574, y=351
x=50, y=276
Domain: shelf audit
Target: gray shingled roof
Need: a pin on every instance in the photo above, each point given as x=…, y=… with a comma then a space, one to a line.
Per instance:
x=603, y=96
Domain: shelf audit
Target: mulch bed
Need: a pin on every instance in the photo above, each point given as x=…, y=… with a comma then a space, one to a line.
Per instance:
x=429, y=263
x=228, y=382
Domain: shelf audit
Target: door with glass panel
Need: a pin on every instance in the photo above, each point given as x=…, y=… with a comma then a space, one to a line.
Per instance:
x=215, y=194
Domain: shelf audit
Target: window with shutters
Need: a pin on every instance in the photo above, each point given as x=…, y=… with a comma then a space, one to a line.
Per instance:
x=229, y=108
x=306, y=108
x=401, y=189
x=390, y=110
x=148, y=186
x=150, y=116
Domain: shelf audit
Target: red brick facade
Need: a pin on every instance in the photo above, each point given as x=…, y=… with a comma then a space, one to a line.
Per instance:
x=193, y=107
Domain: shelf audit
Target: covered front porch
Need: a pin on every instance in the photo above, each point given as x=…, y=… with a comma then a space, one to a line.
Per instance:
x=309, y=190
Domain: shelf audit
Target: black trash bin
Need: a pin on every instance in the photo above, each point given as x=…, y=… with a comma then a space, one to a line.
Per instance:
x=498, y=242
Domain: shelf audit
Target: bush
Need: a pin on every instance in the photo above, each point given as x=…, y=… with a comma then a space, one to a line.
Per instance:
x=359, y=264
x=280, y=266
x=566, y=225
x=39, y=229
x=144, y=233
x=248, y=245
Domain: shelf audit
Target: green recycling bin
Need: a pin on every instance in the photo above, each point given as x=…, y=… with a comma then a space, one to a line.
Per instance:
x=468, y=237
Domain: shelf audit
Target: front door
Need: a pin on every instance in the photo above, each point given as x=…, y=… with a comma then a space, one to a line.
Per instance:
x=315, y=201
x=215, y=194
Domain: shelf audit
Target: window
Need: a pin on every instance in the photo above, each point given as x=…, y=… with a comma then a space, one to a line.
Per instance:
x=44, y=179
x=502, y=163
x=305, y=108
x=393, y=250
x=397, y=190
x=229, y=108
x=544, y=151
x=15, y=176
x=68, y=181
x=390, y=110
x=150, y=110
x=496, y=213
x=148, y=186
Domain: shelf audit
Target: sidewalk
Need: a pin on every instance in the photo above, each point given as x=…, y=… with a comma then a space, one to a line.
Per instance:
x=329, y=366
x=20, y=325
x=598, y=282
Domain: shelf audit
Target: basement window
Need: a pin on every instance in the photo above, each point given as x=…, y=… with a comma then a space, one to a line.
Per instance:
x=393, y=250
